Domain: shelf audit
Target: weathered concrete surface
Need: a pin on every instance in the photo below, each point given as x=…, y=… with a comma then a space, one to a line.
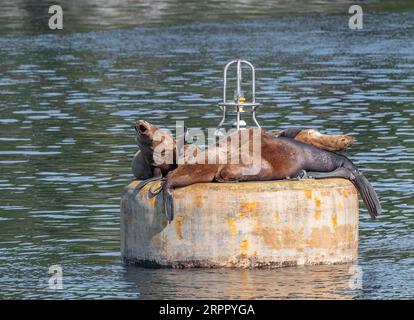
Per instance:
x=245, y=225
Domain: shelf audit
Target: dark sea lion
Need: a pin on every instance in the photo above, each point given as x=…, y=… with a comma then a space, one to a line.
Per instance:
x=281, y=158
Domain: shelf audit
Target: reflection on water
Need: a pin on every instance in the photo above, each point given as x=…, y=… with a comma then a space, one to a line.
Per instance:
x=286, y=283
x=68, y=102
x=31, y=16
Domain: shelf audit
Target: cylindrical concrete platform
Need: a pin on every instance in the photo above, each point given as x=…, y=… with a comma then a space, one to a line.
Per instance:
x=246, y=225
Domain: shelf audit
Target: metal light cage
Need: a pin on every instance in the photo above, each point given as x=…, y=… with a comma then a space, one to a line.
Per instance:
x=238, y=103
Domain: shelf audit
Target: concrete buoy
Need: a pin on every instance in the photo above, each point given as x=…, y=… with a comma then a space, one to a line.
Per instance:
x=263, y=224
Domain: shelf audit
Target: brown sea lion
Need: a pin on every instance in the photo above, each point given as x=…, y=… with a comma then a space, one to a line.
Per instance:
x=151, y=139
x=143, y=164
x=155, y=157
x=157, y=153
x=280, y=157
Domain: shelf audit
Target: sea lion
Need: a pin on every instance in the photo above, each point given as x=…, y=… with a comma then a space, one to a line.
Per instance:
x=143, y=164
x=154, y=147
x=281, y=157
x=153, y=144
x=157, y=154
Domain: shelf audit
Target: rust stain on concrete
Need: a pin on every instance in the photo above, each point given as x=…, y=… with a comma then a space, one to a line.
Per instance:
x=324, y=237
x=317, y=202
x=198, y=200
x=151, y=201
x=321, y=238
x=179, y=194
x=279, y=238
x=318, y=214
x=248, y=208
x=244, y=246
x=179, y=226
x=277, y=218
x=232, y=226
x=334, y=221
x=308, y=194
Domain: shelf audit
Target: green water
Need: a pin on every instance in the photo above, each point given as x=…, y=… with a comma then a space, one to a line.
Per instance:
x=68, y=100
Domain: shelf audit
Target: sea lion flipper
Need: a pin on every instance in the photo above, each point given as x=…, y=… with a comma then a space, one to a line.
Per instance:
x=152, y=193
x=302, y=175
x=325, y=141
x=367, y=192
x=337, y=173
x=168, y=203
x=143, y=183
x=289, y=132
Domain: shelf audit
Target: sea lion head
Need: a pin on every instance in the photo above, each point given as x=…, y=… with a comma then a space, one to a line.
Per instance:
x=155, y=144
x=150, y=136
x=145, y=133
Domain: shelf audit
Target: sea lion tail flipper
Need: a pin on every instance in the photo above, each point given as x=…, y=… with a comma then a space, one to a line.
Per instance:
x=365, y=189
x=368, y=195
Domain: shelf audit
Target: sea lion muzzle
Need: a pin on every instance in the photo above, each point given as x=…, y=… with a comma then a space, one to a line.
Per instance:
x=141, y=127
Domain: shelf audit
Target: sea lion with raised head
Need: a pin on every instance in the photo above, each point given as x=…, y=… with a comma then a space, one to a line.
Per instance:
x=153, y=144
x=157, y=152
x=280, y=158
